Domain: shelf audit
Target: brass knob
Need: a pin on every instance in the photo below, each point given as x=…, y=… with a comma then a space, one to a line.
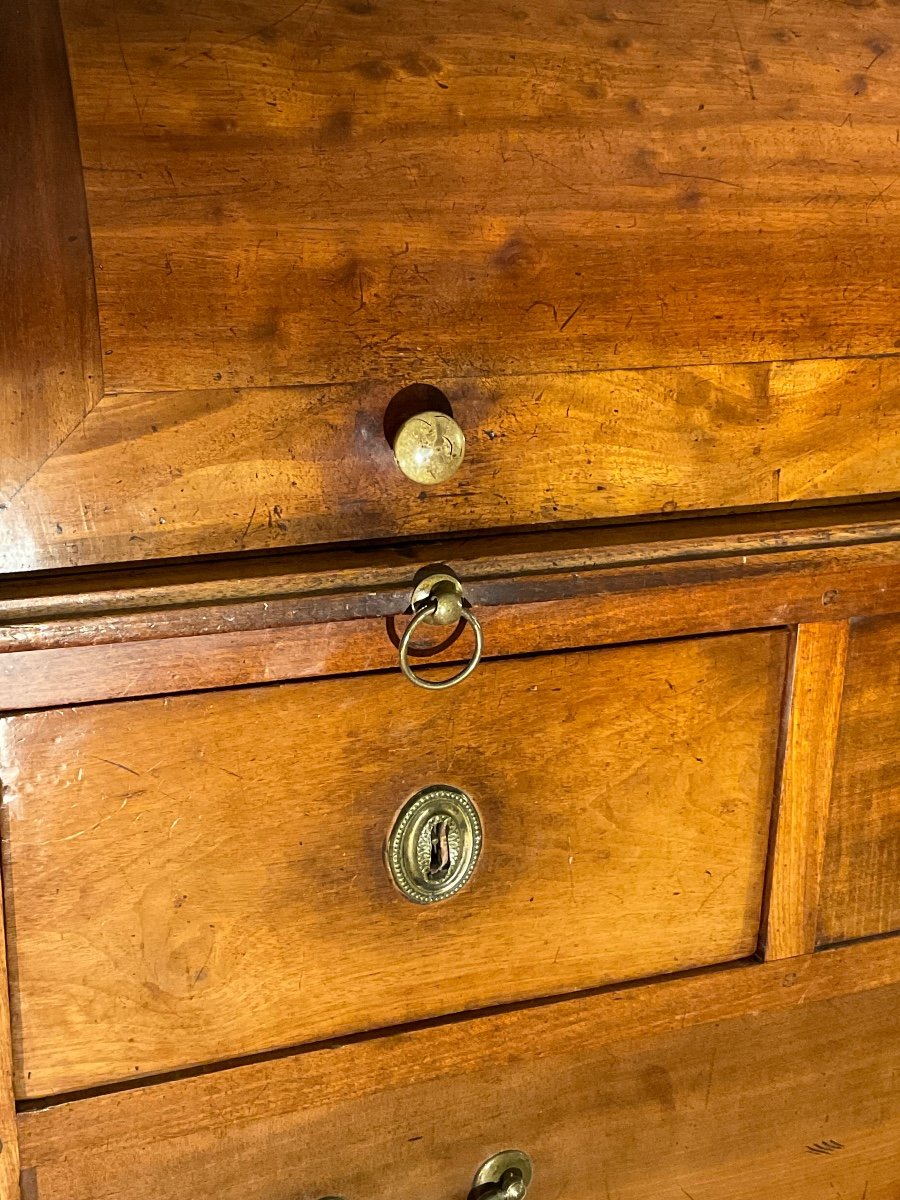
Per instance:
x=438, y=600
x=429, y=447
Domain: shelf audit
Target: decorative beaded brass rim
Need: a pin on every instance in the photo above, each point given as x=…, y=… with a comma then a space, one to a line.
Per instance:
x=434, y=845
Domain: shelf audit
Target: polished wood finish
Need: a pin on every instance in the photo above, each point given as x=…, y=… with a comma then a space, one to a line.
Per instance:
x=813, y=713
x=234, y=845
x=861, y=881
x=776, y=1079
x=333, y=192
x=485, y=239
x=646, y=257
x=213, y=645
x=160, y=475
x=50, y=373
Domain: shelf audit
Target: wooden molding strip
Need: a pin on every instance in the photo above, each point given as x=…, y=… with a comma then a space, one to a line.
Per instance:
x=820, y=656
x=318, y=573
x=269, y=641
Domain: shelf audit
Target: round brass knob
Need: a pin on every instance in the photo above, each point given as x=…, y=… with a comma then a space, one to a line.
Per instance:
x=429, y=447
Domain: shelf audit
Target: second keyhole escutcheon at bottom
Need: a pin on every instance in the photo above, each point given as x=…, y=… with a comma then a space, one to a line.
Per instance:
x=434, y=845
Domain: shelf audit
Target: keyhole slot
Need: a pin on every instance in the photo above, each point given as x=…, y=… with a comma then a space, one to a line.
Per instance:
x=441, y=859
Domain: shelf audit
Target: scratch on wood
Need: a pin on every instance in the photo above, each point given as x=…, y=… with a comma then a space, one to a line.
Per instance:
x=740, y=42
x=826, y=1147
x=574, y=313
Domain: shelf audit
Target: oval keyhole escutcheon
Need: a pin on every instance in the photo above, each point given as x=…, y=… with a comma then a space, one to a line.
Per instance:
x=434, y=845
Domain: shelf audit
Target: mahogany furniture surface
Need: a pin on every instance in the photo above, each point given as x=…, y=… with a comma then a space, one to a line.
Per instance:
x=339, y=192
x=645, y=254
x=760, y=1081
x=861, y=882
x=172, y=902
x=570, y=327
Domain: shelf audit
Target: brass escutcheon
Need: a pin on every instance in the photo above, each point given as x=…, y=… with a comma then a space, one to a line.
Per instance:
x=505, y=1176
x=434, y=845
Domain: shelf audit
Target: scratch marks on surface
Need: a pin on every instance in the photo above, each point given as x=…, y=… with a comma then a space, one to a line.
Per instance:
x=574, y=313
x=544, y=304
x=708, y=178
x=122, y=767
x=737, y=33
x=250, y=521
x=827, y=1147
x=709, y=896
x=262, y=31
x=109, y=816
x=560, y=325
x=137, y=106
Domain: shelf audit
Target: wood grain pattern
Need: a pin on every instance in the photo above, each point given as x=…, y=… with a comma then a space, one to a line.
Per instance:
x=820, y=653
x=769, y=1080
x=196, y=878
x=50, y=375
x=267, y=640
x=861, y=877
x=341, y=191
x=152, y=476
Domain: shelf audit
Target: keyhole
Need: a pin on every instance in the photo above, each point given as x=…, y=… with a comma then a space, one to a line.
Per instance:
x=439, y=864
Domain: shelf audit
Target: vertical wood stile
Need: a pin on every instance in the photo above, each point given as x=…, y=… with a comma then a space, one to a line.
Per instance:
x=9, y=1153
x=50, y=357
x=812, y=720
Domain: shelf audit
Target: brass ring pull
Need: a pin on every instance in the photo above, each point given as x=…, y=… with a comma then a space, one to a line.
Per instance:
x=438, y=685
x=438, y=600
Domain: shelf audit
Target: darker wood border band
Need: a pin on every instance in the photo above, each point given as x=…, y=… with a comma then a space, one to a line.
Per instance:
x=49, y=330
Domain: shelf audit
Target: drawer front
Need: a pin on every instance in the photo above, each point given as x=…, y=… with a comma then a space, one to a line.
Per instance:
x=736, y=1109
x=183, y=473
x=199, y=877
x=860, y=892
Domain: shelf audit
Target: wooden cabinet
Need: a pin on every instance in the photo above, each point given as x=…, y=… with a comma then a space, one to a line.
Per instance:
x=348, y=338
